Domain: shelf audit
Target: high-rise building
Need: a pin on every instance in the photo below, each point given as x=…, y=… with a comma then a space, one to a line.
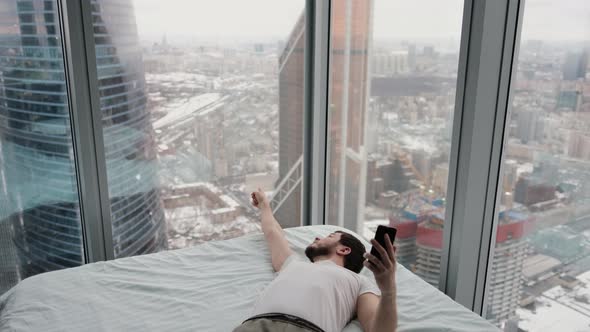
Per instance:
x=348, y=102
x=527, y=121
x=8, y=259
x=39, y=202
x=429, y=244
x=412, y=56
x=389, y=63
x=372, y=139
x=349, y=56
x=291, y=108
x=405, y=241
x=440, y=177
x=569, y=98
x=39, y=209
x=136, y=208
x=507, y=264
x=575, y=66
x=399, y=177
x=210, y=141
x=578, y=145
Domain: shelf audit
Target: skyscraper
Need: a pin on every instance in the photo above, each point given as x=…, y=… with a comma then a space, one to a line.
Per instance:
x=350, y=35
x=527, y=121
x=39, y=201
x=429, y=244
x=39, y=209
x=507, y=266
x=575, y=66
x=412, y=56
x=509, y=253
x=136, y=208
x=291, y=108
x=8, y=262
x=578, y=145
x=347, y=155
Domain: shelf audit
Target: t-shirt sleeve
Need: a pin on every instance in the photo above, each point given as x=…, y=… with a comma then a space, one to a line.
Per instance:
x=293, y=257
x=368, y=286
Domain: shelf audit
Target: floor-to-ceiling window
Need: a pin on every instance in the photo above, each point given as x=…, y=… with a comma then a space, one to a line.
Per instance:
x=539, y=275
x=202, y=103
x=39, y=212
x=393, y=74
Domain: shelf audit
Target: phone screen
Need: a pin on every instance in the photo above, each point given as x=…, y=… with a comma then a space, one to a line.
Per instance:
x=380, y=237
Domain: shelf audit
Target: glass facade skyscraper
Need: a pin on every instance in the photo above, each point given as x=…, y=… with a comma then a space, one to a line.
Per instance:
x=136, y=208
x=349, y=54
x=39, y=210
x=291, y=108
x=350, y=38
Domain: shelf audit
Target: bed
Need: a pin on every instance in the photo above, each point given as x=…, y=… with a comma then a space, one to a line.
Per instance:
x=210, y=287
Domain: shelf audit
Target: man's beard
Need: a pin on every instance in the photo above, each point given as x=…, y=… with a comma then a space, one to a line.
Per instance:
x=313, y=252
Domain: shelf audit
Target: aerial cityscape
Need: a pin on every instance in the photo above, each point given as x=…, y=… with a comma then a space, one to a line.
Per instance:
x=192, y=126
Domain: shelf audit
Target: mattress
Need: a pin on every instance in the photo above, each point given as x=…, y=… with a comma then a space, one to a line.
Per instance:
x=210, y=287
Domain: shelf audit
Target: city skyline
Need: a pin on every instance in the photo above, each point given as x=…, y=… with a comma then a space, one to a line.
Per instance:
x=190, y=128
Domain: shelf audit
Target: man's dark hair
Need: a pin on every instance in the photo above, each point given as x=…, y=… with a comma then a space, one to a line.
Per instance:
x=354, y=260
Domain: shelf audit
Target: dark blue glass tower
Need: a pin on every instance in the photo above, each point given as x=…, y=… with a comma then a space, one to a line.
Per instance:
x=137, y=213
x=39, y=210
x=38, y=199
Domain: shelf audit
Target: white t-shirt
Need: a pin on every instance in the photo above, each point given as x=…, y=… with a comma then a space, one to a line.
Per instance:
x=323, y=293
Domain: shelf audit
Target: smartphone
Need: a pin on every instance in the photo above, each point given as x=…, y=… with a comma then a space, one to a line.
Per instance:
x=380, y=237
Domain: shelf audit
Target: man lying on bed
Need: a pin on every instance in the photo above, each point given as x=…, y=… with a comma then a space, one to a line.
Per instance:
x=326, y=293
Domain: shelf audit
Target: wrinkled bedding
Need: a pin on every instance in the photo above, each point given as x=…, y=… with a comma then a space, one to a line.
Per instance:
x=210, y=287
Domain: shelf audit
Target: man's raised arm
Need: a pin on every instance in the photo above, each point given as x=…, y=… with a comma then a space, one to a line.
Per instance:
x=275, y=237
x=379, y=314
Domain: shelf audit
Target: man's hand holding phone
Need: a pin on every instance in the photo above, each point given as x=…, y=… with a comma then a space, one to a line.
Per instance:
x=383, y=267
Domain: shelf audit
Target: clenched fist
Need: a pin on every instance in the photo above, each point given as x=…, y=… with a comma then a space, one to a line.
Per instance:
x=259, y=199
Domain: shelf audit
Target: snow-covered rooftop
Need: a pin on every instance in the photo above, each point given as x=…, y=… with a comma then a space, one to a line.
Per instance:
x=195, y=106
x=559, y=309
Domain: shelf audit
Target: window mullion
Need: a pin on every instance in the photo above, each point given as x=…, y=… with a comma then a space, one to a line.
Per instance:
x=485, y=58
x=316, y=111
x=508, y=69
x=87, y=132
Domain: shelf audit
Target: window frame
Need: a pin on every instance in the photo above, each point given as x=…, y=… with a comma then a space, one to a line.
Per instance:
x=485, y=65
x=87, y=135
x=508, y=74
x=317, y=76
x=489, y=41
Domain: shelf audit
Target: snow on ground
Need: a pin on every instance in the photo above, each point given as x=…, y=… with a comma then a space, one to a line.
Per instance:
x=559, y=309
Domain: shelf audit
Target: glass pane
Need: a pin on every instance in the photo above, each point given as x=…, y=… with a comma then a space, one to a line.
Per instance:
x=200, y=105
x=540, y=272
x=39, y=211
x=392, y=93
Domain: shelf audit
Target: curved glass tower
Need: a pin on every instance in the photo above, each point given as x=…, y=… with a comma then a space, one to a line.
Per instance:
x=39, y=211
x=137, y=213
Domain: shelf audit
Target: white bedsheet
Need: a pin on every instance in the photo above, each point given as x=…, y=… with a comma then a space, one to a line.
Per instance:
x=210, y=287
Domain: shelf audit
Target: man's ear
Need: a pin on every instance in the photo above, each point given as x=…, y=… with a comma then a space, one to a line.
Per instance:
x=343, y=251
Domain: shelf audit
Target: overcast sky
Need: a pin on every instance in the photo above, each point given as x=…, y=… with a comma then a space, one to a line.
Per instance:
x=393, y=19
